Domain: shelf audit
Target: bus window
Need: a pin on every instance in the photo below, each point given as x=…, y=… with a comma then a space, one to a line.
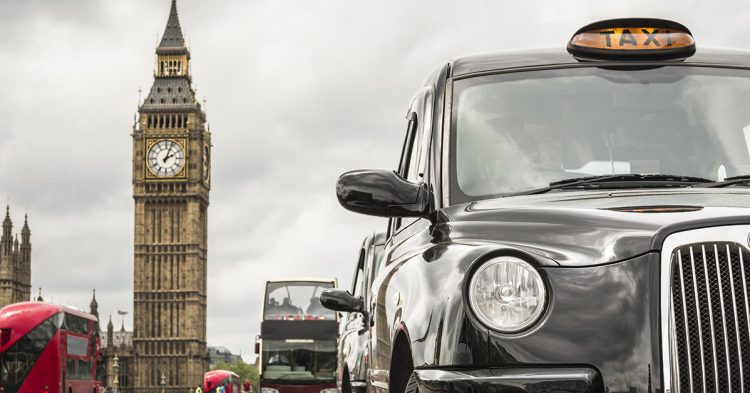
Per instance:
x=299, y=361
x=296, y=301
x=76, y=324
x=79, y=370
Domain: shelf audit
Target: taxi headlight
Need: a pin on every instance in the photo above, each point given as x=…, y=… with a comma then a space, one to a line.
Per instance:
x=507, y=294
x=268, y=390
x=329, y=390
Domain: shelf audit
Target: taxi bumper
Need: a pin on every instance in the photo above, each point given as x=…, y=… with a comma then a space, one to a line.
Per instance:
x=520, y=380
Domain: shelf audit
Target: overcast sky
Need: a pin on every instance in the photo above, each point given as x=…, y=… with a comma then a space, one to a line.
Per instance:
x=298, y=92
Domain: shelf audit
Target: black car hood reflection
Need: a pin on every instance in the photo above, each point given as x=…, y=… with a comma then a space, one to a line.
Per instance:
x=586, y=228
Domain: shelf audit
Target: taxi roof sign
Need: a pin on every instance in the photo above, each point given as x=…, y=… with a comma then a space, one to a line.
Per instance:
x=632, y=39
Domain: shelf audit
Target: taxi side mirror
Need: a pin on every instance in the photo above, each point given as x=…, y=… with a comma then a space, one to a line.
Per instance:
x=382, y=193
x=341, y=300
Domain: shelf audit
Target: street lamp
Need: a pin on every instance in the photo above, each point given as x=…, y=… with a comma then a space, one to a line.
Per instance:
x=116, y=370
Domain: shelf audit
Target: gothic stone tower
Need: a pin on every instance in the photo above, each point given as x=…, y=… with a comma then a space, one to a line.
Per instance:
x=15, y=263
x=171, y=182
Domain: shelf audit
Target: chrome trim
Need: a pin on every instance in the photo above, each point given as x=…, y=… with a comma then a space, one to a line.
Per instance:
x=736, y=322
x=445, y=146
x=710, y=316
x=744, y=292
x=684, y=317
x=723, y=315
x=700, y=323
x=673, y=353
x=733, y=233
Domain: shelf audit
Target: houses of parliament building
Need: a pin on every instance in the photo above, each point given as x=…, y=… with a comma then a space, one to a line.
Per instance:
x=15, y=262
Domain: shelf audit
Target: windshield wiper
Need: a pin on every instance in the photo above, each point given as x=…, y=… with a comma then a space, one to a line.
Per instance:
x=618, y=181
x=729, y=181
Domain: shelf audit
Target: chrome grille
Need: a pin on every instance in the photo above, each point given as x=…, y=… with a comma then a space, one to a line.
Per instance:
x=709, y=299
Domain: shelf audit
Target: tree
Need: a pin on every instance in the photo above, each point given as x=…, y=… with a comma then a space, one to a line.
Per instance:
x=244, y=370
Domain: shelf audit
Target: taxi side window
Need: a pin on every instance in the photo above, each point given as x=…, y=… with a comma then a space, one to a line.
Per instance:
x=408, y=165
x=359, y=276
x=410, y=145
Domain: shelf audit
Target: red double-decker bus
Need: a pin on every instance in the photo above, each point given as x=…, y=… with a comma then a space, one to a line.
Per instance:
x=221, y=381
x=297, y=343
x=47, y=348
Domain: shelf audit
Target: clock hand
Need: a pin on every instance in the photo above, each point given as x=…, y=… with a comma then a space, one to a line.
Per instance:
x=164, y=160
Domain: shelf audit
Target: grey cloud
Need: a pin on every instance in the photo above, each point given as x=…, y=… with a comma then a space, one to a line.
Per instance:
x=69, y=11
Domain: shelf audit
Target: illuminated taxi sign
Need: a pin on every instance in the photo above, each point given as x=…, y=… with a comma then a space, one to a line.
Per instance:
x=633, y=39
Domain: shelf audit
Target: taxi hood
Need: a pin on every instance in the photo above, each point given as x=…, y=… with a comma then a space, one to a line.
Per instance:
x=589, y=228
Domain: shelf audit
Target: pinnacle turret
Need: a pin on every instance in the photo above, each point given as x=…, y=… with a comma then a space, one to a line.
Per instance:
x=94, y=306
x=7, y=237
x=110, y=332
x=25, y=231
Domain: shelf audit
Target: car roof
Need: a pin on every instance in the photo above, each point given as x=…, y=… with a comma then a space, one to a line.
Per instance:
x=498, y=61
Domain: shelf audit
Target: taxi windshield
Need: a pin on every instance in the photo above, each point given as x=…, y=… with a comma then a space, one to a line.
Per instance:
x=521, y=131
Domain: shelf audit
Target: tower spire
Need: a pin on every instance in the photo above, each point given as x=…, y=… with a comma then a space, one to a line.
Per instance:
x=172, y=38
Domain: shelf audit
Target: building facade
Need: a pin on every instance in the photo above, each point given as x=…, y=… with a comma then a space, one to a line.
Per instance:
x=171, y=183
x=15, y=263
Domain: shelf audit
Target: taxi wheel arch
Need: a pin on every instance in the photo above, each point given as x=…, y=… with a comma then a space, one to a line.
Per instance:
x=402, y=364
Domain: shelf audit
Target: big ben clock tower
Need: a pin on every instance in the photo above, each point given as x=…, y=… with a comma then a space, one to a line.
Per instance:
x=171, y=183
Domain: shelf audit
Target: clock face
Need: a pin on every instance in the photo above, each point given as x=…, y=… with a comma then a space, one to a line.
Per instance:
x=166, y=158
x=206, y=163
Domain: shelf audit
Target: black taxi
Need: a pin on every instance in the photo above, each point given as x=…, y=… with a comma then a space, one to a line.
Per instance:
x=567, y=220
